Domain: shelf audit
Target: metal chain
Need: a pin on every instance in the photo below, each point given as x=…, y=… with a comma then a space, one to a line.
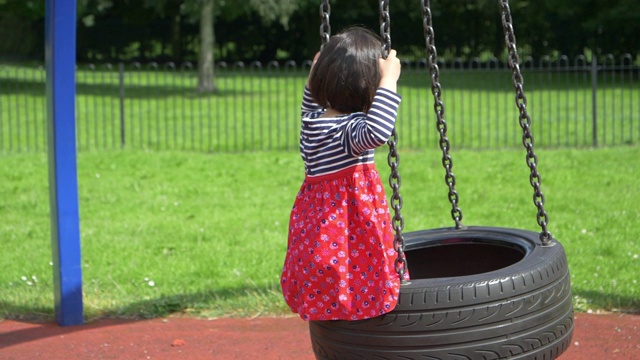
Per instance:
x=436, y=89
x=385, y=27
x=525, y=121
x=396, y=204
x=393, y=158
x=325, y=26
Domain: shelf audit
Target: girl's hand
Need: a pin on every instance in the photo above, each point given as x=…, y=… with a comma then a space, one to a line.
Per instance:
x=390, y=69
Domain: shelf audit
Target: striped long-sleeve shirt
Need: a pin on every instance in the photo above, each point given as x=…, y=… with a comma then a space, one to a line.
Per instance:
x=330, y=144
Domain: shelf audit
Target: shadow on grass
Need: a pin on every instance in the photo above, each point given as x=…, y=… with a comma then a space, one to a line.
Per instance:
x=135, y=91
x=229, y=302
x=594, y=300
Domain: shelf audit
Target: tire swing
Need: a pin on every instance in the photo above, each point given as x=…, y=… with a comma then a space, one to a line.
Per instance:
x=475, y=292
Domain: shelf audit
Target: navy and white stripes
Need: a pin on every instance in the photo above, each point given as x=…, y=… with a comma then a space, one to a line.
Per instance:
x=330, y=144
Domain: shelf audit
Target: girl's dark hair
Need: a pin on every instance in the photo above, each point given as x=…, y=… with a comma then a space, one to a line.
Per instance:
x=346, y=74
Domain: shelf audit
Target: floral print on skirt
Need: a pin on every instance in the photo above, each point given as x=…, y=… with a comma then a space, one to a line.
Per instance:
x=340, y=255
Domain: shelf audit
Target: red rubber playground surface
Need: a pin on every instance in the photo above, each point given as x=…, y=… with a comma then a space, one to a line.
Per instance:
x=595, y=337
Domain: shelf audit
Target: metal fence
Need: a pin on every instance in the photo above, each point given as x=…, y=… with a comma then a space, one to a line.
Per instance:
x=573, y=103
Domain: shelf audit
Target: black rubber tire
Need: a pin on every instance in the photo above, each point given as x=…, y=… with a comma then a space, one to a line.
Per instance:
x=517, y=308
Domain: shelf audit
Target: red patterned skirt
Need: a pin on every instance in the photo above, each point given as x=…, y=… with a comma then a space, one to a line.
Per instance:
x=340, y=255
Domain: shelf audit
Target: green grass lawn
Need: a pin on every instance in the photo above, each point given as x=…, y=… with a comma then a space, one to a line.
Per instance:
x=205, y=234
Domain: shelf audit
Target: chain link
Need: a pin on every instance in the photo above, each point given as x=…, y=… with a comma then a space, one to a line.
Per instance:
x=393, y=158
x=325, y=26
x=436, y=89
x=525, y=121
x=385, y=27
x=396, y=204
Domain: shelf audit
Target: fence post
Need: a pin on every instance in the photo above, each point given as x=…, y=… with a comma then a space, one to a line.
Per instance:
x=121, y=84
x=594, y=99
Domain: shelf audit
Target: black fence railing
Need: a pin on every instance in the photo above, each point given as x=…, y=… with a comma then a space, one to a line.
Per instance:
x=575, y=103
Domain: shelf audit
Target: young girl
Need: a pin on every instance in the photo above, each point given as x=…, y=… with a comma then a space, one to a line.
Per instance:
x=340, y=255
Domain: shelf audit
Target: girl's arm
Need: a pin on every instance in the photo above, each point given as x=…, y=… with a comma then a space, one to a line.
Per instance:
x=373, y=130
x=308, y=104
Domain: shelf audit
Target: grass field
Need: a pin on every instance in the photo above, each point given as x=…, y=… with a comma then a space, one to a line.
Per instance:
x=205, y=234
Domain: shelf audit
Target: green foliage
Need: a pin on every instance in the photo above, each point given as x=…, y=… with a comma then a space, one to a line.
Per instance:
x=26, y=9
x=261, y=29
x=275, y=10
x=205, y=234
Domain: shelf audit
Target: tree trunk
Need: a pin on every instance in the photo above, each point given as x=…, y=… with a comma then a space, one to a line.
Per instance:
x=207, y=39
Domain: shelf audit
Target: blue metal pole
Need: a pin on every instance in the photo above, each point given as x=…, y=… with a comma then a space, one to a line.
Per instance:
x=60, y=58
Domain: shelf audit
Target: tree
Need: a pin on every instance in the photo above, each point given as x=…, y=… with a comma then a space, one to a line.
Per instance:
x=204, y=10
x=162, y=30
x=269, y=11
x=207, y=39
